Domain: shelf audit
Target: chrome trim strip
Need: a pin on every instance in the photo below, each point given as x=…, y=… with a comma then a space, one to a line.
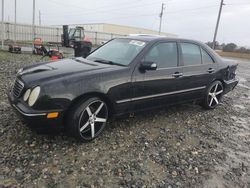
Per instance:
x=161, y=94
x=29, y=115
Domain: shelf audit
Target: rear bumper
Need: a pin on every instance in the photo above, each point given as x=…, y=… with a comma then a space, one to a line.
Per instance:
x=35, y=119
x=230, y=85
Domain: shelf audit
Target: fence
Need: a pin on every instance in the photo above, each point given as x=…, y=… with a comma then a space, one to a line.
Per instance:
x=48, y=34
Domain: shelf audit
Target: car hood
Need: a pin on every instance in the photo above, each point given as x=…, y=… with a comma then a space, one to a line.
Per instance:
x=63, y=68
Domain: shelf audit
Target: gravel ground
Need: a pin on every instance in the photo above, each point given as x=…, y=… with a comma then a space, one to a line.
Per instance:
x=181, y=146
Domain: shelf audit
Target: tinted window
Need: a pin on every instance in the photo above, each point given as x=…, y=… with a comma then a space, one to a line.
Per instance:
x=164, y=54
x=191, y=54
x=77, y=33
x=206, y=59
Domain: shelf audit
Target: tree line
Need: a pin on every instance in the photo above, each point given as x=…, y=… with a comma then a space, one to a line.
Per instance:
x=230, y=47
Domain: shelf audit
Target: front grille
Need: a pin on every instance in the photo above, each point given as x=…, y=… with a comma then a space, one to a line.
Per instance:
x=17, y=88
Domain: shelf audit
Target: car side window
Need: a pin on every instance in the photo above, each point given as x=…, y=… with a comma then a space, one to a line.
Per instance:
x=206, y=58
x=191, y=54
x=163, y=54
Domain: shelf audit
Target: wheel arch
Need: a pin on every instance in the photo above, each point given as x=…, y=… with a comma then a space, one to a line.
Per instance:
x=102, y=96
x=217, y=79
x=222, y=81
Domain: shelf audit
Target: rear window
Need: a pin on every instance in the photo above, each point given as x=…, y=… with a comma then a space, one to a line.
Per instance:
x=206, y=58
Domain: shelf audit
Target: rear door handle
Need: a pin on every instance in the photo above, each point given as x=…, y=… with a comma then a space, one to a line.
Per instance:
x=177, y=74
x=210, y=70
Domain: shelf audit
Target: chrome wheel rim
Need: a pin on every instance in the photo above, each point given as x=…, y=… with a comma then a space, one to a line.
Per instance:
x=215, y=94
x=93, y=119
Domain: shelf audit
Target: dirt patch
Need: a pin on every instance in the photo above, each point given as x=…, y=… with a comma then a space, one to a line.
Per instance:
x=234, y=54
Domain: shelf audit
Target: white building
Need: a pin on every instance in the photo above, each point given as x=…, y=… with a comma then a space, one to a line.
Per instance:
x=120, y=29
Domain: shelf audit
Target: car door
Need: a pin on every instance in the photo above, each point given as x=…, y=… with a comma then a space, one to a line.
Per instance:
x=156, y=87
x=198, y=69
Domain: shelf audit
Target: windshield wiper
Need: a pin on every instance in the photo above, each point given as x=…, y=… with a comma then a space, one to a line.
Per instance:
x=108, y=62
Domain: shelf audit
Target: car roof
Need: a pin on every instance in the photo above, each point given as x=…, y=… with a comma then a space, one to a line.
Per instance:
x=146, y=38
x=156, y=38
x=151, y=38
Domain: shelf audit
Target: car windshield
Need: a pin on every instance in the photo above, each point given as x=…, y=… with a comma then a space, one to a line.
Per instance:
x=117, y=51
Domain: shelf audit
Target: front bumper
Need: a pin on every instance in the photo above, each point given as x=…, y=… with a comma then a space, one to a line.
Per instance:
x=33, y=118
x=230, y=85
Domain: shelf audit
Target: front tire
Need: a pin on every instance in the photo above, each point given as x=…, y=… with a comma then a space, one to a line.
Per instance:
x=213, y=95
x=87, y=119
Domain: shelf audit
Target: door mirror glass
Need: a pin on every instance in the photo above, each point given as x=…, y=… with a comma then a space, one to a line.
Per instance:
x=148, y=65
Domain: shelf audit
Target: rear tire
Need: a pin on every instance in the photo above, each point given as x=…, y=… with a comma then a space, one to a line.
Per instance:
x=87, y=119
x=213, y=95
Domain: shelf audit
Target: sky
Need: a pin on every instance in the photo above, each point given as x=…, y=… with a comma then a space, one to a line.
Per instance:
x=194, y=19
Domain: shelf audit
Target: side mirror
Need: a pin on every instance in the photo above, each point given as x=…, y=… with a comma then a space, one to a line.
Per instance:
x=148, y=65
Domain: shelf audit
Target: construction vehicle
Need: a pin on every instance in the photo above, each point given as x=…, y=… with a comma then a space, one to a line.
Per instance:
x=76, y=38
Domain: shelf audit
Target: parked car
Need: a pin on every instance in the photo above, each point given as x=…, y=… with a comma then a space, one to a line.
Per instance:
x=124, y=75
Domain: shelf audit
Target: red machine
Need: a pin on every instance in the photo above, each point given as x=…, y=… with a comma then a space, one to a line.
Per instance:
x=39, y=49
x=54, y=54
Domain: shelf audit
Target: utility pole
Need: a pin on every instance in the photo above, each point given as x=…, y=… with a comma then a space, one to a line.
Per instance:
x=217, y=24
x=161, y=14
x=40, y=21
x=2, y=28
x=33, y=20
x=15, y=24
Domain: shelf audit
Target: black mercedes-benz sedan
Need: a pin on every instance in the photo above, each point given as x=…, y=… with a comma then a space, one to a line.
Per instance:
x=124, y=75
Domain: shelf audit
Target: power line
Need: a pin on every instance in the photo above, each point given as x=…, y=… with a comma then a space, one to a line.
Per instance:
x=191, y=10
x=108, y=11
x=130, y=15
x=96, y=11
x=66, y=4
x=236, y=4
x=152, y=14
x=107, y=20
x=120, y=15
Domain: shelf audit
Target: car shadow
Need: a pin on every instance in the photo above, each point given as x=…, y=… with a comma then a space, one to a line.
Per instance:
x=127, y=120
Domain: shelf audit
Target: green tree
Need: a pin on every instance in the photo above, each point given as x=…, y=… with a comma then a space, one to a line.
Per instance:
x=229, y=47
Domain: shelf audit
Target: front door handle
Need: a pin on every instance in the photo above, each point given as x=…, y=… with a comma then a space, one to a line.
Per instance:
x=210, y=70
x=177, y=74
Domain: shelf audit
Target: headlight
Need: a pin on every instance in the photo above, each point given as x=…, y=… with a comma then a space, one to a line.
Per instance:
x=26, y=95
x=34, y=95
